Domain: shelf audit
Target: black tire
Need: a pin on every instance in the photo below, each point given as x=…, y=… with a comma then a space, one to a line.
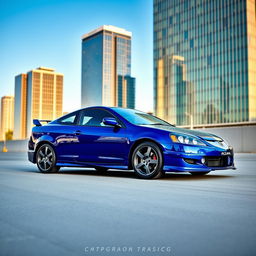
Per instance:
x=147, y=161
x=101, y=170
x=198, y=173
x=46, y=159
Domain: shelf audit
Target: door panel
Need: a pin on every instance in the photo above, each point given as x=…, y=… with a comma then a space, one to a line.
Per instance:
x=66, y=138
x=66, y=143
x=100, y=143
x=103, y=145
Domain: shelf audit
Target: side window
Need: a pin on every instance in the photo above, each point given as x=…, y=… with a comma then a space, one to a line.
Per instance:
x=68, y=120
x=94, y=117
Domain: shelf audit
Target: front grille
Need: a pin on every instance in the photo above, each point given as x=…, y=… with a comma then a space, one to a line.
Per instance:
x=221, y=161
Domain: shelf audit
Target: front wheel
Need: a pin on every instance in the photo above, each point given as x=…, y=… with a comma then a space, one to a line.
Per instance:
x=147, y=161
x=198, y=173
x=46, y=159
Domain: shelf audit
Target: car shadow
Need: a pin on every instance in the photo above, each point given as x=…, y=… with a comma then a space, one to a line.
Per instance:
x=125, y=174
x=109, y=173
x=131, y=174
x=188, y=176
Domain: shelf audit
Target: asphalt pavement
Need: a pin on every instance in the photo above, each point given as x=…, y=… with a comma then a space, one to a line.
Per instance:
x=80, y=212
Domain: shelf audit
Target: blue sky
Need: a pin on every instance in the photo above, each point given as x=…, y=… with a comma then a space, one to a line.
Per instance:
x=48, y=33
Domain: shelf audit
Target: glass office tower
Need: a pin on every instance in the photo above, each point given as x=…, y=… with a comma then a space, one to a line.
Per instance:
x=106, y=68
x=126, y=91
x=205, y=61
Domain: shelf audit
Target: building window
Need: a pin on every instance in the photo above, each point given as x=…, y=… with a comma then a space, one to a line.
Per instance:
x=209, y=60
x=186, y=3
x=225, y=22
x=164, y=33
x=209, y=38
x=191, y=43
x=170, y=20
x=178, y=47
x=186, y=35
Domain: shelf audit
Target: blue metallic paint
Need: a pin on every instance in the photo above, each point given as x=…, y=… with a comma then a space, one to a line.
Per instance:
x=112, y=147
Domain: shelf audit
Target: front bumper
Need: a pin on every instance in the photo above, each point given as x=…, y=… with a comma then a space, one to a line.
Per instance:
x=192, y=162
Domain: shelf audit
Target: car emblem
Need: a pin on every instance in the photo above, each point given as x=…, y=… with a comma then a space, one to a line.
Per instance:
x=227, y=153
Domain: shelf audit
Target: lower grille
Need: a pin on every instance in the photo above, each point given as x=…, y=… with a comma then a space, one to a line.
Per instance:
x=221, y=161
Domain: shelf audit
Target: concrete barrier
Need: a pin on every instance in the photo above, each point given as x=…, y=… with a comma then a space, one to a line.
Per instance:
x=242, y=138
x=15, y=145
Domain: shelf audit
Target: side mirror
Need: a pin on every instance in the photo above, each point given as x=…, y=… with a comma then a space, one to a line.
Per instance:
x=110, y=121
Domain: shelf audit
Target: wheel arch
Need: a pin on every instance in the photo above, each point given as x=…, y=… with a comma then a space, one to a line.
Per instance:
x=136, y=143
x=40, y=143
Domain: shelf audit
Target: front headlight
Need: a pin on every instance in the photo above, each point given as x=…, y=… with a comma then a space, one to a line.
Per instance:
x=187, y=140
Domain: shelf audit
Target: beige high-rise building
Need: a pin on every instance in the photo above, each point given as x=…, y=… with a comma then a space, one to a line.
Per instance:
x=7, y=115
x=39, y=96
x=20, y=107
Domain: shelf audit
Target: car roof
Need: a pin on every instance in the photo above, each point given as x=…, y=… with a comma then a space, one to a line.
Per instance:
x=105, y=107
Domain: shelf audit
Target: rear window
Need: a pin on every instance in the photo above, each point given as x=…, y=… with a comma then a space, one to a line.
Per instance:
x=69, y=119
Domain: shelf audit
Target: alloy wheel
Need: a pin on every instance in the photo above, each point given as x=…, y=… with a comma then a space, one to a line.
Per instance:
x=45, y=158
x=146, y=160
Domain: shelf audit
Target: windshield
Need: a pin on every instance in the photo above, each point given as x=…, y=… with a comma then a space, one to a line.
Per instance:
x=139, y=118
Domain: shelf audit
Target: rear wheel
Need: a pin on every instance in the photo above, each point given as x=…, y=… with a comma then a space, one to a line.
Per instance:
x=46, y=159
x=147, y=161
x=198, y=173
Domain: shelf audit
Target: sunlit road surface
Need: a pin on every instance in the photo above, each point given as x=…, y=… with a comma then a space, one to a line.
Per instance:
x=78, y=210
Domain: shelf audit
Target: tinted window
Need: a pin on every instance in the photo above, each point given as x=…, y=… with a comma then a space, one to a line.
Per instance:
x=68, y=119
x=94, y=117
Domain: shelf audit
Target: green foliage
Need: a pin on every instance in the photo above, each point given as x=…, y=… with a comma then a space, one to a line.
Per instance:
x=9, y=135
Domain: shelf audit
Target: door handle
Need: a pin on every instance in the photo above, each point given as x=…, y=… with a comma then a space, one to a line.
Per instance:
x=77, y=132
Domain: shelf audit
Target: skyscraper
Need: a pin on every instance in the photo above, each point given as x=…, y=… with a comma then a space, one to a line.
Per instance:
x=106, y=68
x=7, y=115
x=205, y=61
x=38, y=95
x=20, y=107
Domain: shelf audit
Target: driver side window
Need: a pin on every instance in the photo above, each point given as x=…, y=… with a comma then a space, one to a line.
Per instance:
x=94, y=117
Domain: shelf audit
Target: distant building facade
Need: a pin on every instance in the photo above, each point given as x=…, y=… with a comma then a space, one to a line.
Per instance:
x=20, y=107
x=39, y=95
x=106, y=68
x=7, y=115
x=205, y=61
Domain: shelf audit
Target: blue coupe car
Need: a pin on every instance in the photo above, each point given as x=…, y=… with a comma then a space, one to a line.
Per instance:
x=117, y=138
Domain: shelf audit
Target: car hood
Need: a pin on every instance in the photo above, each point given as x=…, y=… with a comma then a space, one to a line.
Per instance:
x=203, y=135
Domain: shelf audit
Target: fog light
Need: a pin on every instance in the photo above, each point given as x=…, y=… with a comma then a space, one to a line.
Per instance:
x=203, y=160
x=190, y=161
